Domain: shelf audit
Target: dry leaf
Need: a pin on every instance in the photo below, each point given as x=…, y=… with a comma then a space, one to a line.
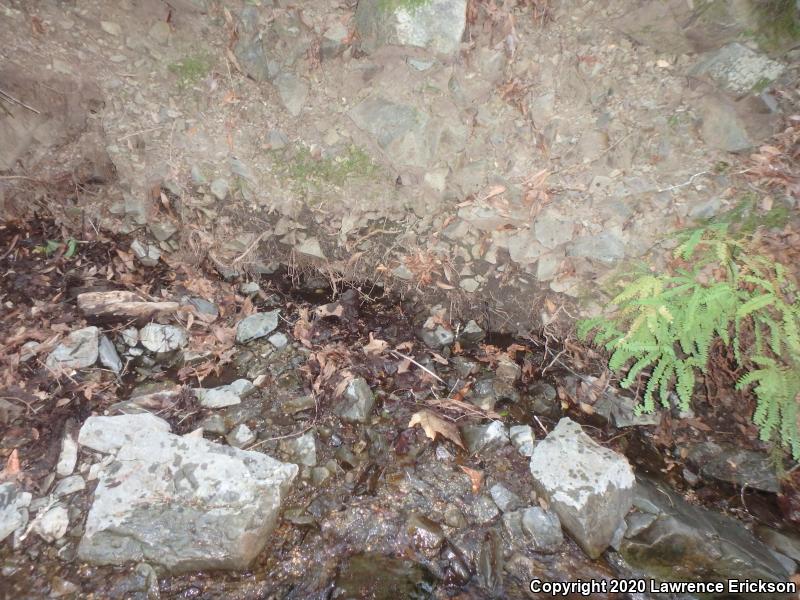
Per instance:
x=12, y=466
x=432, y=424
x=475, y=476
x=587, y=408
x=375, y=346
x=439, y=358
x=334, y=309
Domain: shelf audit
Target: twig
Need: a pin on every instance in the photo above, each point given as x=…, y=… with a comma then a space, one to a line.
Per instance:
x=20, y=102
x=540, y=425
x=10, y=247
x=685, y=183
x=427, y=370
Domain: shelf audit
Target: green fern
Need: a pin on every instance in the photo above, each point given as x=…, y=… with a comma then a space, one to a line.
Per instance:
x=663, y=327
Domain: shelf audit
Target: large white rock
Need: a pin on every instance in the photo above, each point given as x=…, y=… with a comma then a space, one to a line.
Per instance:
x=184, y=503
x=108, y=434
x=13, y=508
x=436, y=25
x=79, y=350
x=590, y=487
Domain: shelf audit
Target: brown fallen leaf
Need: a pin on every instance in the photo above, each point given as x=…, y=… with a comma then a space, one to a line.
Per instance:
x=475, y=476
x=11, y=469
x=432, y=424
x=334, y=309
x=375, y=346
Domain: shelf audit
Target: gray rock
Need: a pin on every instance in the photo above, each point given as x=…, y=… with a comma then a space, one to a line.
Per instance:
x=469, y=285
x=240, y=436
x=505, y=499
x=257, y=326
x=277, y=139
x=471, y=334
x=552, y=230
x=357, y=402
x=68, y=457
x=224, y=395
x=184, y=503
x=147, y=254
x=302, y=450
x=604, y=247
x=464, y=366
x=163, y=338
x=524, y=249
x=620, y=411
x=483, y=509
x=79, y=350
x=699, y=544
x=203, y=306
x=279, y=340
x=51, y=523
x=548, y=266
x=437, y=338
x=334, y=40
x=111, y=28
x=272, y=42
x=480, y=438
x=731, y=464
x=159, y=32
x=108, y=355
x=591, y=492
x=130, y=336
x=162, y=230
x=14, y=505
x=544, y=529
x=108, y=434
x=310, y=247
x=722, y=128
x=293, y=92
x=523, y=439
x=249, y=288
x=69, y=485
x=436, y=25
x=739, y=69
x=214, y=423
x=785, y=542
x=403, y=132
x=220, y=188
x=544, y=400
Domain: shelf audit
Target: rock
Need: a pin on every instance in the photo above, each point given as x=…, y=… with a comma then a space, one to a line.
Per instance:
x=162, y=230
x=620, y=411
x=479, y=438
x=302, y=450
x=256, y=326
x=204, y=307
x=523, y=248
x=469, y=285
x=404, y=133
x=162, y=338
x=51, y=523
x=108, y=355
x=220, y=188
x=68, y=457
x=357, y=402
x=604, y=247
x=28, y=350
x=122, y=304
x=240, y=436
x=722, y=127
x=13, y=508
x=482, y=510
x=436, y=338
x=147, y=254
x=786, y=543
x=130, y=336
x=544, y=400
x=548, y=266
x=505, y=499
x=523, y=439
x=224, y=395
x=279, y=340
x=591, y=492
x=108, y=434
x=111, y=28
x=334, y=40
x=311, y=247
x=277, y=139
x=436, y=25
x=697, y=544
x=731, y=464
x=293, y=92
x=249, y=288
x=159, y=32
x=69, y=485
x=471, y=334
x=464, y=366
x=79, y=350
x=738, y=69
x=552, y=230
x=544, y=529
x=184, y=503
x=425, y=533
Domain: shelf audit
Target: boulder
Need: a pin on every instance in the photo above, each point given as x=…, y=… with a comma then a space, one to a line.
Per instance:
x=79, y=350
x=436, y=25
x=108, y=434
x=588, y=486
x=184, y=503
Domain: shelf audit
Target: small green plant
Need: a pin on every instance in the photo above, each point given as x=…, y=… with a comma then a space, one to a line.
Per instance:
x=392, y=5
x=191, y=69
x=69, y=246
x=668, y=324
x=304, y=168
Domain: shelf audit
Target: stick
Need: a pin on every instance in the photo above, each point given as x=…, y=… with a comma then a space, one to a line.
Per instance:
x=428, y=371
x=15, y=101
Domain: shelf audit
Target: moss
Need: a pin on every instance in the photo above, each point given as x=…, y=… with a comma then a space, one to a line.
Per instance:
x=191, y=69
x=779, y=23
x=306, y=172
x=392, y=5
